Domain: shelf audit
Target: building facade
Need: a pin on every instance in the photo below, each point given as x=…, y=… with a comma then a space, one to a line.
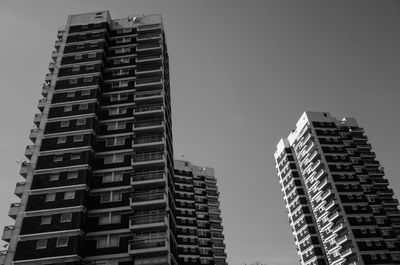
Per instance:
x=99, y=176
x=339, y=205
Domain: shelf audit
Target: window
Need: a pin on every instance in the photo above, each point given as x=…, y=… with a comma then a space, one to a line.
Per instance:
x=68, y=108
x=46, y=220
x=108, y=241
x=71, y=94
x=75, y=156
x=92, y=55
x=85, y=92
x=110, y=218
x=61, y=140
x=66, y=217
x=117, y=110
x=78, y=138
x=115, y=158
x=62, y=241
x=111, y=196
x=54, y=177
x=122, y=61
x=50, y=197
x=73, y=81
x=75, y=68
x=89, y=67
x=80, y=46
x=113, y=176
x=80, y=121
x=373, y=256
x=72, y=175
x=116, y=141
x=58, y=158
x=116, y=125
x=93, y=44
x=83, y=106
x=122, y=31
x=69, y=195
x=118, y=97
x=41, y=244
x=64, y=124
x=78, y=57
x=120, y=72
x=87, y=79
x=122, y=50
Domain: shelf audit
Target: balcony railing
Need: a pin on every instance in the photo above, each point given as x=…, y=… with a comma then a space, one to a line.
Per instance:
x=7, y=233
x=148, y=175
x=144, y=94
x=148, y=139
x=148, y=108
x=148, y=243
x=147, y=219
x=19, y=189
x=142, y=59
x=148, y=36
x=147, y=123
x=14, y=210
x=147, y=81
x=148, y=27
x=151, y=196
x=148, y=156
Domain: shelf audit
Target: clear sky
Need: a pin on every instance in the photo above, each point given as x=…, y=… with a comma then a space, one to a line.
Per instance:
x=242, y=73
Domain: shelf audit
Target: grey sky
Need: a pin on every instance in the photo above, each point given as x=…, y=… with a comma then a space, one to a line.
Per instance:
x=242, y=72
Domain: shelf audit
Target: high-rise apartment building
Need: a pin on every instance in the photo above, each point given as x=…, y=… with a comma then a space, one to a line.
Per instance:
x=99, y=177
x=198, y=214
x=339, y=205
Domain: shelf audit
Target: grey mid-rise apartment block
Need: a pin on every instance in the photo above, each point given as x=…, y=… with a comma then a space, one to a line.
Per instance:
x=100, y=186
x=339, y=205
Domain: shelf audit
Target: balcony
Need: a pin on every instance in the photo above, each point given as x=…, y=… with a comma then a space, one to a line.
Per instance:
x=329, y=205
x=337, y=228
x=19, y=189
x=45, y=89
x=3, y=255
x=57, y=44
x=333, y=216
x=341, y=239
x=7, y=233
x=146, y=37
x=33, y=134
x=322, y=184
x=146, y=159
x=149, y=59
x=148, y=141
x=148, y=27
x=29, y=151
x=149, y=110
x=49, y=77
x=345, y=253
x=148, y=221
x=145, y=178
x=54, y=55
x=154, y=72
x=60, y=32
x=157, y=198
x=146, y=246
x=149, y=83
x=25, y=169
x=37, y=119
x=149, y=96
x=148, y=125
x=152, y=47
x=14, y=209
x=326, y=194
x=42, y=103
